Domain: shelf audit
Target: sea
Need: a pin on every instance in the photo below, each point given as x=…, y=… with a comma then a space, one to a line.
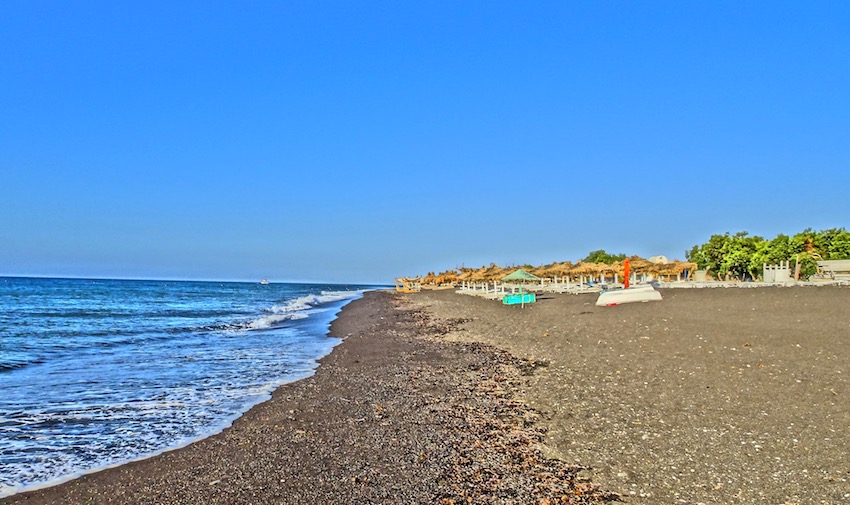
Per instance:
x=95, y=373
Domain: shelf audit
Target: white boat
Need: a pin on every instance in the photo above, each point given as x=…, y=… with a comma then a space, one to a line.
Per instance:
x=639, y=293
x=264, y=281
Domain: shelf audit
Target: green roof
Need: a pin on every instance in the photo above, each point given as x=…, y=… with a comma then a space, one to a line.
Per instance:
x=520, y=275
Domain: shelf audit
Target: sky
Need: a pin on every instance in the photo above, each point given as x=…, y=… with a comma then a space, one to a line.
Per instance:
x=360, y=141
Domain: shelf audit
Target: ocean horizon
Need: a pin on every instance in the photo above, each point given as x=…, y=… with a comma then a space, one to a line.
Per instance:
x=99, y=372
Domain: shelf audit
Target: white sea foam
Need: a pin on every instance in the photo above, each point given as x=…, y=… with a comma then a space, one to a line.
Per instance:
x=180, y=377
x=64, y=466
x=298, y=308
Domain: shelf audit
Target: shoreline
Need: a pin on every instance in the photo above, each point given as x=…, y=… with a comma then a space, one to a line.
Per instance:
x=392, y=415
x=217, y=430
x=49, y=491
x=224, y=424
x=712, y=396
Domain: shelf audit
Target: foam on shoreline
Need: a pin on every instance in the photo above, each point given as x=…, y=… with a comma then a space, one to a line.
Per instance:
x=301, y=308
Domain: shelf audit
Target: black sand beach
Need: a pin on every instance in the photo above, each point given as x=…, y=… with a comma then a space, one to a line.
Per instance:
x=710, y=396
x=394, y=415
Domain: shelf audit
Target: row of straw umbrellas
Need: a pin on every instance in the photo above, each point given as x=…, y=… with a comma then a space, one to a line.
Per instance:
x=562, y=270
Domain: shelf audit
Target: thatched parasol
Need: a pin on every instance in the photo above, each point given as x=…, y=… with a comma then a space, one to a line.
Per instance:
x=640, y=265
x=447, y=277
x=466, y=274
x=478, y=275
x=582, y=268
x=553, y=269
x=617, y=267
x=672, y=268
x=487, y=274
x=542, y=270
x=494, y=272
x=561, y=269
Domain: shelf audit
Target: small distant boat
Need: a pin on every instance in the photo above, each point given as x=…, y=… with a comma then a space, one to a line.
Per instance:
x=264, y=281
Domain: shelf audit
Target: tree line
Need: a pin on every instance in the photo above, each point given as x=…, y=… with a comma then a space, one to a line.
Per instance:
x=742, y=256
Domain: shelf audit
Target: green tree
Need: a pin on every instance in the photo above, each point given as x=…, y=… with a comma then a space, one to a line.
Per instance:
x=600, y=256
x=693, y=255
x=737, y=255
x=760, y=257
x=837, y=245
x=808, y=264
x=803, y=242
x=709, y=256
x=770, y=253
x=742, y=256
x=779, y=249
x=729, y=255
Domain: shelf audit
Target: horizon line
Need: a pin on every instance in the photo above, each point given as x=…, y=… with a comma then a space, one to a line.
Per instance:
x=163, y=279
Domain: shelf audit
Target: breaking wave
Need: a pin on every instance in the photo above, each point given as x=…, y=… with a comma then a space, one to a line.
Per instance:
x=298, y=308
x=94, y=374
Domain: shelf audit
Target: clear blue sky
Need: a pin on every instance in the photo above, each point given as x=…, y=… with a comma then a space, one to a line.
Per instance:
x=358, y=141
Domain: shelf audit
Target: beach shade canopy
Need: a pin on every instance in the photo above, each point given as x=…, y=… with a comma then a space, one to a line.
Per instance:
x=582, y=268
x=520, y=275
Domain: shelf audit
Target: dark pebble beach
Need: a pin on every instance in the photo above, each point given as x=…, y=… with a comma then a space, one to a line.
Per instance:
x=709, y=396
x=395, y=414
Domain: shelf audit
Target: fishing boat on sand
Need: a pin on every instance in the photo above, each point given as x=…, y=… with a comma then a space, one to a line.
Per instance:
x=640, y=293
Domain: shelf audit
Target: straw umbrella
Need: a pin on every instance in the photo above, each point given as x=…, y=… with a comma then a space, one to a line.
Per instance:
x=487, y=274
x=673, y=268
x=689, y=266
x=447, y=277
x=582, y=268
x=601, y=268
x=465, y=274
x=552, y=269
x=477, y=275
x=640, y=265
x=493, y=272
x=627, y=264
x=558, y=269
x=543, y=270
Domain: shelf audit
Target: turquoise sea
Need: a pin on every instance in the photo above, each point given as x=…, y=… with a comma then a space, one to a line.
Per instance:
x=99, y=372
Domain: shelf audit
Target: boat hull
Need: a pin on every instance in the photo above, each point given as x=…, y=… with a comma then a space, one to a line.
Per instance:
x=629, y=295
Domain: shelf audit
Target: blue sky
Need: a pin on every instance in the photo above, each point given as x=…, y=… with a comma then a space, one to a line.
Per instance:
x=358, y=141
